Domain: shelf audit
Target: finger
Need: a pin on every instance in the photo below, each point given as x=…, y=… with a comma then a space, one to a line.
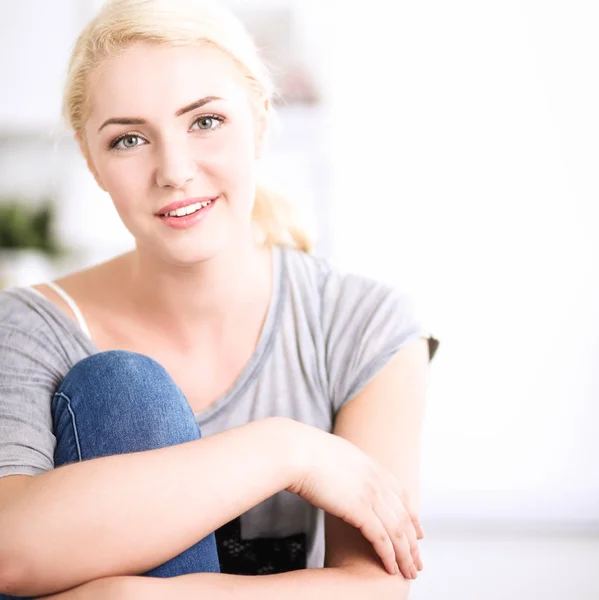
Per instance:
x=413, y=517
x=374, y=531
x=417, y=526
x=417, y=557
x=419, y=563
x=404, y=497
x=396, y=527
x=406, y=550
x=406, y=524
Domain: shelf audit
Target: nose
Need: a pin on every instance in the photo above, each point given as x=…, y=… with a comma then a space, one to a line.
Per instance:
x=175, y=166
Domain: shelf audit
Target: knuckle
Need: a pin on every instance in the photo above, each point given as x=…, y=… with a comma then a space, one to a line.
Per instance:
x=405, y=519
x=399, y=533
x=354, y=521
x=365, y=499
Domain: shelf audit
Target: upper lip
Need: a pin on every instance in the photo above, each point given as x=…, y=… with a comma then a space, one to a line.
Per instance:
x=181, y=203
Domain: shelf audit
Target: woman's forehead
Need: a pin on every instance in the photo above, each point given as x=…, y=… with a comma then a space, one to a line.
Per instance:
x=150, y=80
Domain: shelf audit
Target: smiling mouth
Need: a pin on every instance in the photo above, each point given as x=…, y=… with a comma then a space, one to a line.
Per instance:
x=187, y=210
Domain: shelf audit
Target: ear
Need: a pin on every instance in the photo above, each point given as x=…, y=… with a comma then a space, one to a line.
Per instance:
x=261, y=128
x=90, y=165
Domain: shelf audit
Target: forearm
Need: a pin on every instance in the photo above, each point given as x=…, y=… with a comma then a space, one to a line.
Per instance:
x=343, y=583
x=128, y=513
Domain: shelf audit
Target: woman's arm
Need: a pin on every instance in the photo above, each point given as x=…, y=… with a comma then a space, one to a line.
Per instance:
x=129, y=513
x=347, y=583
x=385, y=421
x=343, y=583
x=125, y=514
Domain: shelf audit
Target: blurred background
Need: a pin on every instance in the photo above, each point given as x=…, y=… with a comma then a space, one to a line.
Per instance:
x=449, y=148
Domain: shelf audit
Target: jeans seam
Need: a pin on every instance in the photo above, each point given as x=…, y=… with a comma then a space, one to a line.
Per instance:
x=74, y=421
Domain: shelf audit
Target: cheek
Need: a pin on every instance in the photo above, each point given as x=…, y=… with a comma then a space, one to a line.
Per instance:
x=124, y=179
x=231, y=159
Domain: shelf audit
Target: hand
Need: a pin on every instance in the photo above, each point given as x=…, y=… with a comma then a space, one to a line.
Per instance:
x=338, y=477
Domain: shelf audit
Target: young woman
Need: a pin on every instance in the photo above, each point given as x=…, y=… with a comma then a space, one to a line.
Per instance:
x=307, y=385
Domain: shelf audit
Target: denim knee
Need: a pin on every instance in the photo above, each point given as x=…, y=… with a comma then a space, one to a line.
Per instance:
x=125, y=398
x=120, y=365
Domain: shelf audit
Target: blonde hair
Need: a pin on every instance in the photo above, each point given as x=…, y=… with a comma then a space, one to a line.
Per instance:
x=121, y=23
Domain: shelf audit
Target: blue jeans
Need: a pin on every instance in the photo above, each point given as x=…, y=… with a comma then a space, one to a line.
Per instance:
x=119, y=402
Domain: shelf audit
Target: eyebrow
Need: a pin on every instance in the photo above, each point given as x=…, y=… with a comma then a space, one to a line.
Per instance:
x=179, y=113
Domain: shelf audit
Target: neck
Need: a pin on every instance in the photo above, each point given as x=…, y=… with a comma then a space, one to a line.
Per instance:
x=203, y=297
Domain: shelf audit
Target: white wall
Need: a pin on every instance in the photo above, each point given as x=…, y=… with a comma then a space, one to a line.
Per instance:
x=35, y=37
x=465, y=136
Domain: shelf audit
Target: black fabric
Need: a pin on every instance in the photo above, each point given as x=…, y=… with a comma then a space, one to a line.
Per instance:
x=261, y=556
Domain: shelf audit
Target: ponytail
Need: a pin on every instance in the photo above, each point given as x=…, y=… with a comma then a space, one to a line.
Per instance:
x=277, y=221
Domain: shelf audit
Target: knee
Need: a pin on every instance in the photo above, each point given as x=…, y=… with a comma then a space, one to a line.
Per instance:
x=115, y=369
x=127, y=400
x=117, y=364
x=118, y=380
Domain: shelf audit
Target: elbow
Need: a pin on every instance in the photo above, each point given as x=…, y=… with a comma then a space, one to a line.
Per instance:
x=9, y=572
x=15, y=571
x=12, y=568
x=16, y=580
x=11, y=578
x=20, y=576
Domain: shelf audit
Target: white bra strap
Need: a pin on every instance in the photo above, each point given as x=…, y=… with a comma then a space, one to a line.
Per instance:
x=32, y=289
x=72, y=305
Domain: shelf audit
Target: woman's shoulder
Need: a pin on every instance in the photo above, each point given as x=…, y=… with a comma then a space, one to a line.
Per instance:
x=20, y=306
x=363, y=321
x=79, y=292
x=32, y=326
x=334, y=286
x=25, y=331
x=349, y=305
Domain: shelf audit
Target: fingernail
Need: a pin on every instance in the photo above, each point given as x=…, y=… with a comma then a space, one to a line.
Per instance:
x=414, y=573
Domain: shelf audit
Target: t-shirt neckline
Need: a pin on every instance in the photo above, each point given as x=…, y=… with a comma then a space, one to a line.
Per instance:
x=264, y=345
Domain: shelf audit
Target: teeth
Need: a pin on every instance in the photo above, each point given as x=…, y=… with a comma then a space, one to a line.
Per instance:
x=188, y=210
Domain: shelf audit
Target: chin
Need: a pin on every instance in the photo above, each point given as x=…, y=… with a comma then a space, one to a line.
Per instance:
x=198, y=244
x=193, y=250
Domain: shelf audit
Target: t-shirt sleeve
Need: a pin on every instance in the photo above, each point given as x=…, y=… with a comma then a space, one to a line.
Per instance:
x=366, y=323
x=28, y=378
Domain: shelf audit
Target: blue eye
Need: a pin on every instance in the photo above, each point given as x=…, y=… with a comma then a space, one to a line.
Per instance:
x=130, y=141
x=126, y=142
x=208, y=122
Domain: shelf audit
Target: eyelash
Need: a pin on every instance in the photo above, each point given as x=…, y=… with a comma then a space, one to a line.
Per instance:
x=113, y=145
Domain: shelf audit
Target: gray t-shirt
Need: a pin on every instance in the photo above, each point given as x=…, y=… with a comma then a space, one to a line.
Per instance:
x=325, y=337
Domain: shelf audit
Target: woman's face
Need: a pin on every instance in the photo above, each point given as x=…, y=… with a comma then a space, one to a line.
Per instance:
x=174, y=127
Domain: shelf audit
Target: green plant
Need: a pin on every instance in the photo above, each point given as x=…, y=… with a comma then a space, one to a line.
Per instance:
x=23, y=227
